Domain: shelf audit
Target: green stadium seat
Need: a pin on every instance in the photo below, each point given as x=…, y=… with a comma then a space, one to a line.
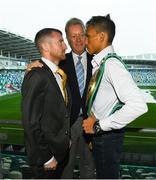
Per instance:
x=15, y=175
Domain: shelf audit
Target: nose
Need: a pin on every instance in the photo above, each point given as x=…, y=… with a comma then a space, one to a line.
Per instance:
x=65, y=46
x=78, y=38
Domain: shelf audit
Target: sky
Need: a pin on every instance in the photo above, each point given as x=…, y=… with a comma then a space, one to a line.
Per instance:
x=134, y=19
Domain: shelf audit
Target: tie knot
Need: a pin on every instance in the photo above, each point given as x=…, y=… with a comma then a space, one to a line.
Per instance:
x=79, y=58
x=62, y=74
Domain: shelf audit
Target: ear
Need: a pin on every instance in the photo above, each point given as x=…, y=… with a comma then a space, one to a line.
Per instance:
x=103, y=37
x=45, y=46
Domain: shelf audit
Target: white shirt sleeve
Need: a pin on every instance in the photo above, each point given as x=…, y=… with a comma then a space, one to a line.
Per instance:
x=127, y=92
x=50, y=160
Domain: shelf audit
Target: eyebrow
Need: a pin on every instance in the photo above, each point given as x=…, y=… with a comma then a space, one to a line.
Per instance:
x=61, y=40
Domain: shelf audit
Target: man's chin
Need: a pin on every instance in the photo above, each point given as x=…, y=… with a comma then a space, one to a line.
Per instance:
x=63, y=58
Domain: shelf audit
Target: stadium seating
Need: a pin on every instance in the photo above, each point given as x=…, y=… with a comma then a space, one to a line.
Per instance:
x=10, y=81
x=144, y=77
x=16, y=167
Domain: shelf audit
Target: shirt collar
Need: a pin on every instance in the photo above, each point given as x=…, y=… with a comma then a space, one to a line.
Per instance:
x=76, y=55
x=98, y=57
x=50, y=64
x=83, y=60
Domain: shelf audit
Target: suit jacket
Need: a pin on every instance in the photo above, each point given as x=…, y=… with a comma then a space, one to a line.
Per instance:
x=45, y=117
x=77, y=101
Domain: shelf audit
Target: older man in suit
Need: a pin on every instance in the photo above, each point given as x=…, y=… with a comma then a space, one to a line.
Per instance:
x=79, y=71
x=46, y=108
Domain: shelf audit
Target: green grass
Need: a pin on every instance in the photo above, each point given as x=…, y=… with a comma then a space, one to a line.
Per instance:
x=134, y=142
x=147, y=120
x=10, y=110
x=13, y=134
x=138, y=142
x=10, y=107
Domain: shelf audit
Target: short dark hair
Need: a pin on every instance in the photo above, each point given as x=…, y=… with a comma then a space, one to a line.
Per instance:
x=103, y=24
x=44, y=33
x=73, y=21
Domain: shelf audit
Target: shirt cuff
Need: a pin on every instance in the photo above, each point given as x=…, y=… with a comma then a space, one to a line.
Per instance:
x=49, y=161
x=105, y=125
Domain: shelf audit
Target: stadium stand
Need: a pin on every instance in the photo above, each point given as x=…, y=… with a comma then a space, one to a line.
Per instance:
x=144, y=77
x=16, y=167
x=10, y=81
x=15, y=52
x=143, y=70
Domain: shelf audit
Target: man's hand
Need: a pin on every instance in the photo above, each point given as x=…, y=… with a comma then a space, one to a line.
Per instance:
x=51, y=166
x=33, y=64
x=88, y=124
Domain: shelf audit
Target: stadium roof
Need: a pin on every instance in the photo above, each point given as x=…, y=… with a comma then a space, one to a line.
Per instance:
x=148, y=57
x=17, y=46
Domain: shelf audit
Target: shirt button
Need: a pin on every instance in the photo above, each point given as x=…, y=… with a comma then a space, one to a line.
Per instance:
x=66, y=116
x=66, y=133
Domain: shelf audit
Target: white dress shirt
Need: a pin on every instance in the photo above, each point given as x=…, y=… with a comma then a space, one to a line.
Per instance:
x=53, y=67
x=116, y=83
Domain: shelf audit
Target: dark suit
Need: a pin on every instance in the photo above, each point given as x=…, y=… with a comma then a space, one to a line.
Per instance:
x=45, y=118
x=77, y=101
x=79, y=143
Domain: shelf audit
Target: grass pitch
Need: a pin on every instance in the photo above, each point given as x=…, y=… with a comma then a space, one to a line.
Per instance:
x=137, y=142
x=10, y=110
x=10, y=107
